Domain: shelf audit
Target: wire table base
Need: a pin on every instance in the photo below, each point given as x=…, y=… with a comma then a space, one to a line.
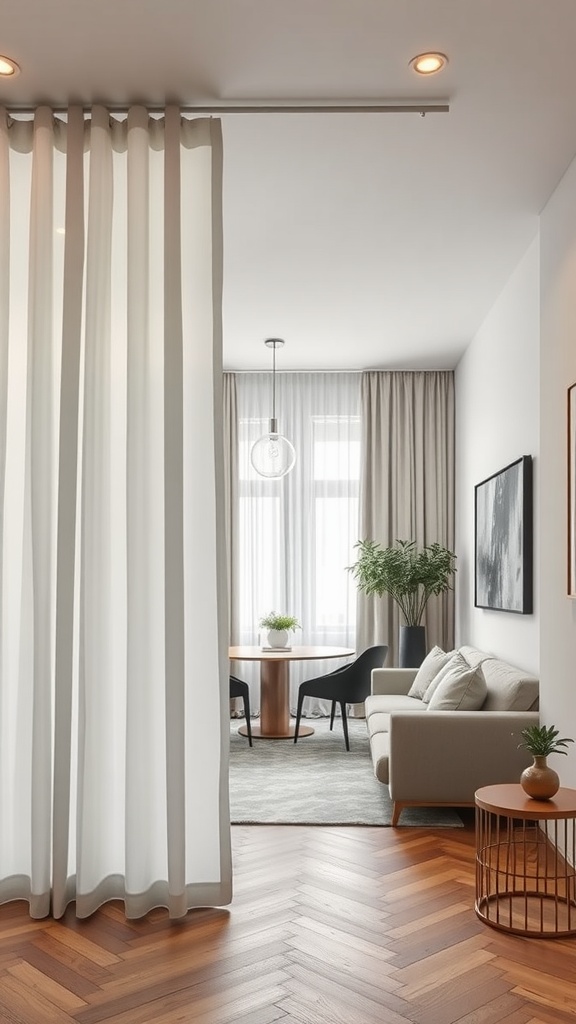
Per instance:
x=525, y=861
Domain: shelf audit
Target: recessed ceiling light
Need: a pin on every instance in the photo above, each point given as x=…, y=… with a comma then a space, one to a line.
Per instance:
x=8, y=67
x=429, y=63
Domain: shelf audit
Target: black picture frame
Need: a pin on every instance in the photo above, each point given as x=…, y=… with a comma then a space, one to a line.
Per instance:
x=503, y=539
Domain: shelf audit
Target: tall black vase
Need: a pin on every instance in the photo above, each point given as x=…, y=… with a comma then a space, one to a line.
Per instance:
x=412, y=646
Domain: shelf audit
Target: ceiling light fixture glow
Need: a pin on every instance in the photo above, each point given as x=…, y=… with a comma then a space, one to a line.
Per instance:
x=428, y=63
x=8, y=67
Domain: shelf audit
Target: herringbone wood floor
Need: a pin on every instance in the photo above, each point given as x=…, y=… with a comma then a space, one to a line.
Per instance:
x=327, y=926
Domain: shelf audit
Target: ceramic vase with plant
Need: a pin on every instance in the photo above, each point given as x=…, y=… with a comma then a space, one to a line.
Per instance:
x=279, y=628
x=540, y=781
x=411, y=576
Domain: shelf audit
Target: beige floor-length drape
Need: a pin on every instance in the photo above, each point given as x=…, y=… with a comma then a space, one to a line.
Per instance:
x=406, y=487
x=114, y=671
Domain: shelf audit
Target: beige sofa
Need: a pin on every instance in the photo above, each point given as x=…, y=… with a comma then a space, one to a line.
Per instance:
x=441, y=757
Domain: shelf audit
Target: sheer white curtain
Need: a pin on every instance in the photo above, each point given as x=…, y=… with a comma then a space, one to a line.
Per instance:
x=114, y=674
x=295, y=535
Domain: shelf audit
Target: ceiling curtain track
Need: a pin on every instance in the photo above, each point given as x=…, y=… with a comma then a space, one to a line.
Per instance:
x=114, y=635
x=364, y=106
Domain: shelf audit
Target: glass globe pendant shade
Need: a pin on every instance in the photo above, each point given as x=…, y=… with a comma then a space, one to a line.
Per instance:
x=272, y=454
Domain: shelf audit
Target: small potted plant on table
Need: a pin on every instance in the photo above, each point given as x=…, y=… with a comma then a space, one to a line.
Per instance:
x=540, y=781
x=279, y=627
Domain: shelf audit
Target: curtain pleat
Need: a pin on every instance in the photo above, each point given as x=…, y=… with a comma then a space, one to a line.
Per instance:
x=174, y=511
x=39, y=495
x=407, y=487
x=68, y=473
x=206, y=624
x=4, y=322
x=5, y=237
x=114, y=686
x=101, y=714
x=146, y=714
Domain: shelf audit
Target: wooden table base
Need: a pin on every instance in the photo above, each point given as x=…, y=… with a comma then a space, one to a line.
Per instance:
x=274, y=698
x=257, y=733
x=275, y=686
x=275, y=704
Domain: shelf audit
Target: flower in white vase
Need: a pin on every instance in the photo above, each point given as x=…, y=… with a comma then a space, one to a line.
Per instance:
x=279, y=627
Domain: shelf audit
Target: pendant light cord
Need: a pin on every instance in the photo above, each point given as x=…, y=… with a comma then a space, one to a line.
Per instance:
x=274, y=382
x=273, y=343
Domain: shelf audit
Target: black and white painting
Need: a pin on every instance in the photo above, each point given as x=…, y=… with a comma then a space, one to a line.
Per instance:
x=503, y=539
x=572, y=491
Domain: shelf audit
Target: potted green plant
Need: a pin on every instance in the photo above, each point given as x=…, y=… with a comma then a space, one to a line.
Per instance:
x=411, y=576
x=540, y=781
x=278, y=626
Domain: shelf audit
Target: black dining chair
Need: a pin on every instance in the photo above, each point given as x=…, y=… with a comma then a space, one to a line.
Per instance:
x=238, y=688
x=350, y=684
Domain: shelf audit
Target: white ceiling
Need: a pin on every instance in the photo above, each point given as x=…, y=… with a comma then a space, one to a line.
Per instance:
x=364, y=240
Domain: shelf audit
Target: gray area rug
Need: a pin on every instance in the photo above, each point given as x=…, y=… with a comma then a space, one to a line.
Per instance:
x=316, y=782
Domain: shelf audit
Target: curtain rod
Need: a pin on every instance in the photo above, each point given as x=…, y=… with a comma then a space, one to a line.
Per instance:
x=278, y=107
x=367, y=369
x=280, y=372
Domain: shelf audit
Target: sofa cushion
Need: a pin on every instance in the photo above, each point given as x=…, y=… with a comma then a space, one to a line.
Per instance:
x=454, y=668
x=378, y=722
x=380, y=750
x=387, y=702
x=509, y=688
x=433, y=662
x=460, y=689
x=473, y=656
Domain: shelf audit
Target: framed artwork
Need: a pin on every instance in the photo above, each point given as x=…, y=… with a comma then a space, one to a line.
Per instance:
x=572, y=491
x=503, y=539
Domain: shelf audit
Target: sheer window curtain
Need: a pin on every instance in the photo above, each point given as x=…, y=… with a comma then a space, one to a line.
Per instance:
x=407, y=487
x=114, y=672
x=294, y=537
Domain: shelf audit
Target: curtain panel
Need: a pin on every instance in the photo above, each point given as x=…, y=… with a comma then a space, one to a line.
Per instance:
x=406, y=488
x=114, y=631
x=291, y=539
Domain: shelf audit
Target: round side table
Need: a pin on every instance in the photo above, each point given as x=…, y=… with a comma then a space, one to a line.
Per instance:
x=525, y=861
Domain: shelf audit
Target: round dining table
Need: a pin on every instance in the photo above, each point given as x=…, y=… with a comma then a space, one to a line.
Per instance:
x=275, y=685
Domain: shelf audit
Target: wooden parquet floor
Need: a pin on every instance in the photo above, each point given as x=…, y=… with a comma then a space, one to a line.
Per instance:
x=327, y=926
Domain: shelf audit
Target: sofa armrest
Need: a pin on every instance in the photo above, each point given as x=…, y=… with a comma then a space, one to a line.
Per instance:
x=392, y=680
x=445, y=756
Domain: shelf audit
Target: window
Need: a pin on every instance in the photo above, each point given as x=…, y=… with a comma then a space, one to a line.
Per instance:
x=336, y=472
x=296, y=534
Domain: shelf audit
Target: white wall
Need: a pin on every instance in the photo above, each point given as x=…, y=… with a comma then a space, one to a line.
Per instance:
x=511, y=400
x=558, y=371
x=497, y=421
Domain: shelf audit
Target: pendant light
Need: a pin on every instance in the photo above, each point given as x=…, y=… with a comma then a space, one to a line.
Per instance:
x=272, y=454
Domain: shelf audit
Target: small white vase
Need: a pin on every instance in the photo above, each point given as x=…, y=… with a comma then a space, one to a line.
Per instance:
x=277, y=637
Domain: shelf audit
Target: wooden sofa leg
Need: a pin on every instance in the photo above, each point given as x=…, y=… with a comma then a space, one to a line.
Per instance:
x=397, y=809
